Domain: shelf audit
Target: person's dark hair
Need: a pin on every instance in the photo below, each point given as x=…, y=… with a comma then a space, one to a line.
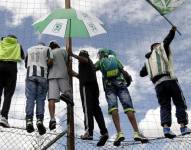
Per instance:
x=12, y=36
x=53, y=45
x=84, y=53
x=153, y=45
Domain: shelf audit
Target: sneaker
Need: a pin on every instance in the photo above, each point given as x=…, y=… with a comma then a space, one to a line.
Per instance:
x=52, y=125
x=119, y=138
x=29, y=125
x=4, y=122
x=168, y=133
x=40, y=126
x=185, y=130
x=140, y=137
x=86, y=136
x=103, y=139
x=66, y=99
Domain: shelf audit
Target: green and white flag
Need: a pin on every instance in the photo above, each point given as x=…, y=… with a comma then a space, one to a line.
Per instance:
x=166, y=6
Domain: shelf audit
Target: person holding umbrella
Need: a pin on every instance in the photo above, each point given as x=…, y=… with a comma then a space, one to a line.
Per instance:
x=89, y=92
x=159, y=67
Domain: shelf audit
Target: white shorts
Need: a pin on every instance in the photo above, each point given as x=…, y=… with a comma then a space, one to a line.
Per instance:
x=57, y=86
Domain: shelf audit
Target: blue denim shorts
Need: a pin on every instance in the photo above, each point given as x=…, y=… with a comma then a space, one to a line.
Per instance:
x=113, y=93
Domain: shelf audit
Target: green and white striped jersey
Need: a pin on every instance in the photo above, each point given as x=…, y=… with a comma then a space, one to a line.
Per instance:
x=158, y=63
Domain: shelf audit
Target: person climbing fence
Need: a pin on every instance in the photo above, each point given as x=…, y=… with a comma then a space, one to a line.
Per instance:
x=159, y=67
x=58, y=81
x=37, y=61
x=89, y=92
x=11, y=52
x=115, y=86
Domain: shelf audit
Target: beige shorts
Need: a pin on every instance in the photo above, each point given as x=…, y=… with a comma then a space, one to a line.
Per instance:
x=57, y=87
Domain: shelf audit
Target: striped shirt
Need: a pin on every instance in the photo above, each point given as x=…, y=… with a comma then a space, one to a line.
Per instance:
x=158, y=63
x=37, y=61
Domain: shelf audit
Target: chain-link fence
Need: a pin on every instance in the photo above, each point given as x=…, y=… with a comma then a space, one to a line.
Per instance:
x=18, y=139
x=130, y=31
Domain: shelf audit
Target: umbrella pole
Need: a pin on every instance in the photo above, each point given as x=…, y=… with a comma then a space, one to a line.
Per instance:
x=70, y=110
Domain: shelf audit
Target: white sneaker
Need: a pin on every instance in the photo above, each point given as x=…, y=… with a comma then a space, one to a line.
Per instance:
x=4, y=122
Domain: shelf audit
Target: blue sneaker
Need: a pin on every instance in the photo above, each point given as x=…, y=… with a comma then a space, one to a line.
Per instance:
x=168, y=133
x=185, y=130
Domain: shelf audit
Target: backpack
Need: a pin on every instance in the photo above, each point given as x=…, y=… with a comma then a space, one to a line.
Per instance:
x=109, y=66
x=127, y=77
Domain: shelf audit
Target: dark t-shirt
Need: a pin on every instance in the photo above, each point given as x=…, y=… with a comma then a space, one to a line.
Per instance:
x=87, y=73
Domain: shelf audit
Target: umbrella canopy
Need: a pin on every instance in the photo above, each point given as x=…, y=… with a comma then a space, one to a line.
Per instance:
x=69, y=23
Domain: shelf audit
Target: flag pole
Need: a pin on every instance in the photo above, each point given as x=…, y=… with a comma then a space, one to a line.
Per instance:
x=70, y=109
x=163, y=16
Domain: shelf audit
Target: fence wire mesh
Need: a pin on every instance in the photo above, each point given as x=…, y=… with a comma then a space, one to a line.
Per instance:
x=18, y=139
x=17, y=17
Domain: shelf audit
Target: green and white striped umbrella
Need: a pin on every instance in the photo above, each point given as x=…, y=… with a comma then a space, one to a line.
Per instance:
x=69, y=23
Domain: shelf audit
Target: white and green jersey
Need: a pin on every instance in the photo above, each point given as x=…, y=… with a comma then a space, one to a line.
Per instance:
x=158, y=63
x=37, y=61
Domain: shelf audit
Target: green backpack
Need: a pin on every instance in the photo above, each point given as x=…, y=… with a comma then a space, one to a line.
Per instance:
x=109, y=66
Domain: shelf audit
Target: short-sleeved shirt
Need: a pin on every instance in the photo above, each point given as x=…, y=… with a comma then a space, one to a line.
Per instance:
x=59, y=68
x=36, y=62
x=87, y=72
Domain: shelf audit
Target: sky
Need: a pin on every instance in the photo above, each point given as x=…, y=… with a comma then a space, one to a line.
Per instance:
x=132, y=26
